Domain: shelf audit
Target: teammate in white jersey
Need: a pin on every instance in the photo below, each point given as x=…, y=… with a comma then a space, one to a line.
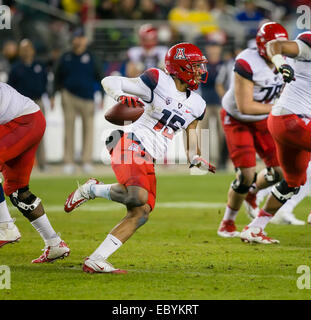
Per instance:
x=148, y=55
x=22, y=126
x=255, y=85
x=290, y=125
x=170, y=105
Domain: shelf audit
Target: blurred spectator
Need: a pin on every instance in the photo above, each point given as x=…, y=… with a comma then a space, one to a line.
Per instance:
x=225, y=17
x=250, y=16
x=148, y=55
x=126, y=9
x=8, y=57
x=211, y=119
x=77, y=73
x=224, y=75
x=164, y=8
x=29, y=77
x=147, y=10
x=201, y=17
x=179, y=19
x=10, y=51
x=105, y=9
x=71, y=7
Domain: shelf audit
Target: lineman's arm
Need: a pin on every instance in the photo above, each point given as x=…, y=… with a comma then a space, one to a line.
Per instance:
x=243, y=92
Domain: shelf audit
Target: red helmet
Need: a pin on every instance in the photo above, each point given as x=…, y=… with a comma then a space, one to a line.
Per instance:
x=185, y=61
x=267, y=32
x=148, y=36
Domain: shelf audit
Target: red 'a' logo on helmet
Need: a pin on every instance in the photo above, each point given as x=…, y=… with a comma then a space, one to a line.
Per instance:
x=180, y=54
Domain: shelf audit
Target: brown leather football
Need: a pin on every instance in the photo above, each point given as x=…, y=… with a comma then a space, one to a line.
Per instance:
x=121, y=114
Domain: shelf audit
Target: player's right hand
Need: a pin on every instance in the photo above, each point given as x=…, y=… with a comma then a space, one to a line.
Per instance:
x=287, y=72
x=202, y=164
x=130, y=101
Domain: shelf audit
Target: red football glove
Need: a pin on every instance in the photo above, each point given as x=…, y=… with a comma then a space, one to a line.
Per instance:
x=130, y=101
x=202, y=164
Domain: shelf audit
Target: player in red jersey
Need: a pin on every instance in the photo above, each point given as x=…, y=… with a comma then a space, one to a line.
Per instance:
x=22, y=126
x=170, y=105
x=246, y=107
x=290, y=125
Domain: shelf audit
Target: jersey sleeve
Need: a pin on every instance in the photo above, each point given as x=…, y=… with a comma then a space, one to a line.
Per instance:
x=199, y=106
x=116, y=86
x=304, y=43
x=243, y=68
x=150, y=78
x=202, y=114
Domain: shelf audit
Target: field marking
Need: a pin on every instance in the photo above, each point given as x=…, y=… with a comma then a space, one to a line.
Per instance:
x=198, y=273
x=115, y=206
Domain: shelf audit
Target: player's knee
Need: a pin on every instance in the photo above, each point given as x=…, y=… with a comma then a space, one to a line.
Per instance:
x=137, y=198
x=244, y=181
x=25, y=201
x=272, y=176
x=282, y=192
x=133, y=201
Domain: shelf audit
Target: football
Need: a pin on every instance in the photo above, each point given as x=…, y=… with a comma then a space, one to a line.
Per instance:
x=120, y=113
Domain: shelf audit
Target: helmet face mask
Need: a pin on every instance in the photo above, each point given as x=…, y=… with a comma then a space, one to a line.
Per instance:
x=267, y=32
x=186, y=62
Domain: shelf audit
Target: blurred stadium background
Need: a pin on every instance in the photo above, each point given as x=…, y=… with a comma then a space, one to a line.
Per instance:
x=112, y=28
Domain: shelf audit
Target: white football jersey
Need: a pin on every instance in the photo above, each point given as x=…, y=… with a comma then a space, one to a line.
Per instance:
x=267, y=83
x=13, y=104
x=167, y=110
x=296, y=96
x=154, y=58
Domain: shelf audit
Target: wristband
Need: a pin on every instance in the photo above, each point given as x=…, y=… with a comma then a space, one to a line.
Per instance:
x=278, y=60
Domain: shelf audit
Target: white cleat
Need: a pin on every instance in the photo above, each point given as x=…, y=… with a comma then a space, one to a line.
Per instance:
x=80, y=195
x=255, y=234
x=9, y=233
x=309, y=218
x=251, y=206
x=282, y=217
x=227, y=229
x=51, y=253
x=100, y=266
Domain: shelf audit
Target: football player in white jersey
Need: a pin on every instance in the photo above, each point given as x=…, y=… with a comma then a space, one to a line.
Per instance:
x=22, y=126
x=170, y=105
x=290, y=125
x=246, y=105
x=148, y=55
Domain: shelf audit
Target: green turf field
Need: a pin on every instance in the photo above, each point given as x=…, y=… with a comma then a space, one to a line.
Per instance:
x=176, y=255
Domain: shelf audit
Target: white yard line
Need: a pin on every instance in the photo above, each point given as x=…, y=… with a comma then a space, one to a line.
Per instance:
x=114, y=206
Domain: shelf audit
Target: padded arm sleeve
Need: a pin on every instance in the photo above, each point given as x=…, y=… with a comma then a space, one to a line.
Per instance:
x=118, y=86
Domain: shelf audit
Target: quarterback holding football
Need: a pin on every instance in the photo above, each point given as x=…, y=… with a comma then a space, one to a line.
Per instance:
x=169, y=104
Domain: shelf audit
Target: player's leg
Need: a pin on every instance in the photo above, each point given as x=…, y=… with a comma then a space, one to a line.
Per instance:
x=8, y=231
x=293, y=148
x=242, y=153
x=266, y=149
x=16, y=172
x=97, y=261
x=285, y=215
x=70, y=112
x=136, y=217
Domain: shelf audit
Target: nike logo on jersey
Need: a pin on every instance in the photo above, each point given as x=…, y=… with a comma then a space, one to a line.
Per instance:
x=113, y=242
x=187, y=111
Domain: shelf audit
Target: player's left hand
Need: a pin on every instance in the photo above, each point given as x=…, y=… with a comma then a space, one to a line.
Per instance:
x=131, y=101
x=287, y=72
x=201, y=163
